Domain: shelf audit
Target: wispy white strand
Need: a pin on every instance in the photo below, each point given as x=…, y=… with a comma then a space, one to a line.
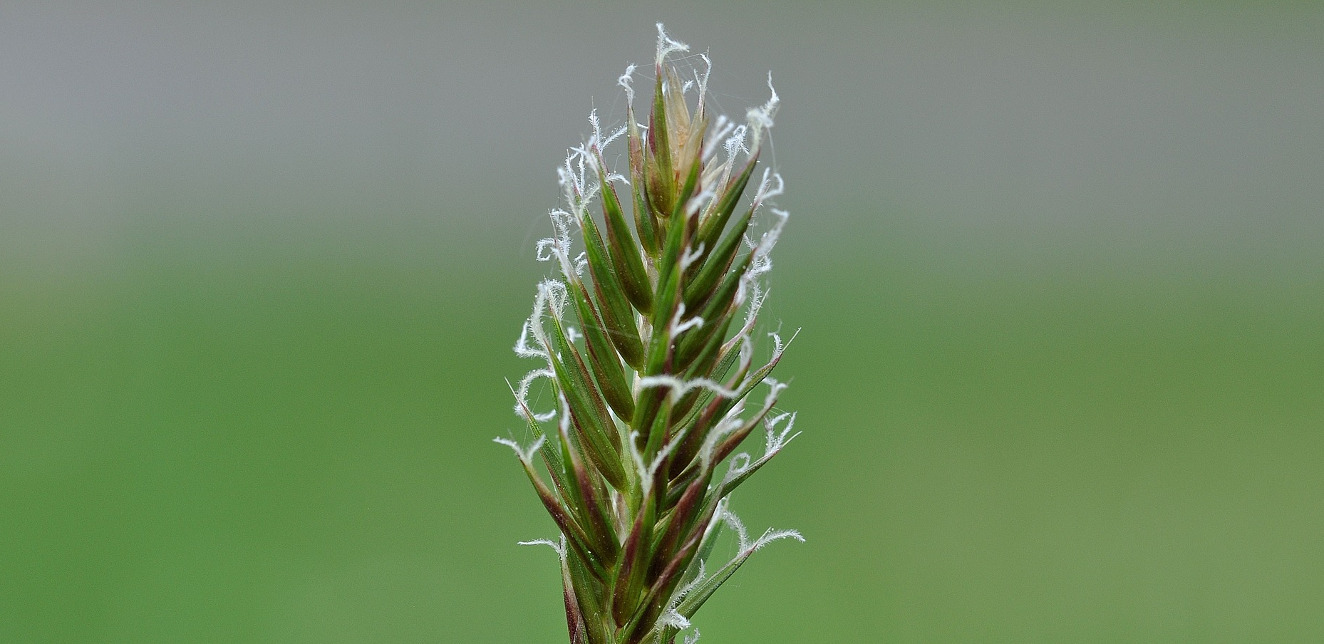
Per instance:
x=525, y=454
x=551, y=294
x=559, y=547
x=666, y=45
x=673, y=619
x=697, y=203
x=557, y=295
x=703, y=82
x=647, y=472
x=558, y=247
x=756, y=298
x=771, y=535
x=715, y=436
x=593, y=122
x=675, y=318
x=766, y=189
x=597, y=142
x=522, y=395
x=769, y=238
x=746, y=352
x=692, y=323
x=738, y=465
x=760, y=118
x=522, y=348
x=735, y=143
x=694, y=583
x=775, y=440
x=637, y=458
x=718, y=132
x=626, y=80
x=681, y=386
x=733, y=420
x=777, y=347
x=761, y=259
x=678, y=327
x=690, y=256
x=742, y=535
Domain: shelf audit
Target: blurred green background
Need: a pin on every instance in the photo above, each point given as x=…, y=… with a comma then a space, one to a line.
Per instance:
x=1058, y=268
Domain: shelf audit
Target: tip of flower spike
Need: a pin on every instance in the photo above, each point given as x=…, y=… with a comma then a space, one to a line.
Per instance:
x=559, y=547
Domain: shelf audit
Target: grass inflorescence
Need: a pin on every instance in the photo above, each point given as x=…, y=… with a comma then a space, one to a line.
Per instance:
x=646, y=338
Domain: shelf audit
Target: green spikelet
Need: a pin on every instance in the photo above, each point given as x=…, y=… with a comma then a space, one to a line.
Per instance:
x=652, y=387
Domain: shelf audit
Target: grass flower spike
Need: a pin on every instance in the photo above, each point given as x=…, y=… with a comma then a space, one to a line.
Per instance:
x=646, y=339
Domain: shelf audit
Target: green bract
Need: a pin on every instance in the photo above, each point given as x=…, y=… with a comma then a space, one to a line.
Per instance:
x=646, y=339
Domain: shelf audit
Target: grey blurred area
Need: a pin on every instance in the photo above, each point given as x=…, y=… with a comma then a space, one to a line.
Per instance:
x=1121, y=136
x=1058, y=267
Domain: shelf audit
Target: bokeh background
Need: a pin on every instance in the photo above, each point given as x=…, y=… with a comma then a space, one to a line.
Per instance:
x=1058, y=268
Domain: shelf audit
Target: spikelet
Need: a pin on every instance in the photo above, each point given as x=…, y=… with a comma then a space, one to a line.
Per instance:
x=646, y=338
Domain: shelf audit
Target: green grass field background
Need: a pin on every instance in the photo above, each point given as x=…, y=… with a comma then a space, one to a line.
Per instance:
x=1060, y=378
